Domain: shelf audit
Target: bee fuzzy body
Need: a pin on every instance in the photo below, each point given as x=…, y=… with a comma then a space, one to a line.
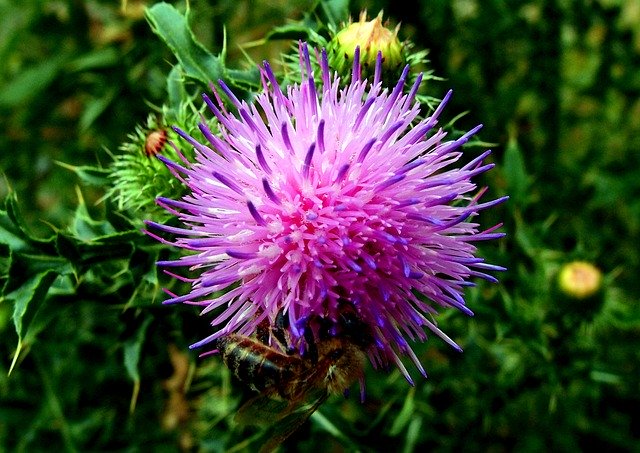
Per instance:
x=291, y=385
x=257, y=365
x=262, y=368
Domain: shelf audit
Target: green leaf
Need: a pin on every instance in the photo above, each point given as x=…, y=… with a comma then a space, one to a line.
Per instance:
x=336, y=11
x=176, y=92
x=25, y=265
x=404, y=416
x=31, y=82
x=27, y=301
x=93, y=241
x=14, y=232
x=95, y=107
x=85, y=253
x=97, y=59
x=247, y=79
x=10, y=234
x=294, y=31
x=173, y=29
x=5, y=259
x=92, y=176
x=145, y=273
x=132, y=348
x=413, y=435
x=516, y=175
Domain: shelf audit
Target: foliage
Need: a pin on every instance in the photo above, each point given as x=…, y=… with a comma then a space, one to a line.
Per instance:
x=91, y=359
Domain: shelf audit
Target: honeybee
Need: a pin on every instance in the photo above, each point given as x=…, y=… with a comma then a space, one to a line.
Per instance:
x=292, y=385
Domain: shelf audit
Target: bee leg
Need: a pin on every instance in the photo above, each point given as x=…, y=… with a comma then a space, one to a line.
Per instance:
x=262, y=332
x=312, y=347
x=278, y=332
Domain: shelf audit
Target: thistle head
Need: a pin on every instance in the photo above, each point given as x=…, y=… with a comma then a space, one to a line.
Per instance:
x=331, y=207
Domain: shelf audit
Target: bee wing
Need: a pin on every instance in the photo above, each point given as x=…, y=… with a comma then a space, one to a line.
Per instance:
x=261, y=409
x=294, y=419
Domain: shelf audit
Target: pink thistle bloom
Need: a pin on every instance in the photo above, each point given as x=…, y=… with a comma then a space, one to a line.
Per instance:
x=317, y=195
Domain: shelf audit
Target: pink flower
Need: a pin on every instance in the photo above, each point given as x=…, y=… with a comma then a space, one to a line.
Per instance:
x=320, y=194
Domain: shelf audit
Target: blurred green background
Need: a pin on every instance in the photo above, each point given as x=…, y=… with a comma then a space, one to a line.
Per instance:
x=557, y=86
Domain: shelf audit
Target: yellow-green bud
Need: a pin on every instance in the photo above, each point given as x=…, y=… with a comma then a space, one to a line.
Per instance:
x=579, y=280
x=371, y=37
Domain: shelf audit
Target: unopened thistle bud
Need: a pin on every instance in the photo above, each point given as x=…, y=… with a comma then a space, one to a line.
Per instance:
x=370, y=37
x=579, y=280
x=138, y=176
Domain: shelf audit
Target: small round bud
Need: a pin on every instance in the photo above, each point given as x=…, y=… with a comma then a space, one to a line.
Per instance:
x=154, y=142
x=371, y=37
x=579, y=280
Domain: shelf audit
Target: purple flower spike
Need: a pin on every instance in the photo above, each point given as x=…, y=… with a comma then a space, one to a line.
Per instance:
x=316, y=195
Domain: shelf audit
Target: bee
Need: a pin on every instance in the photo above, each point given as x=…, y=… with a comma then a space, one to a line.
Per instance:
x=292, y=385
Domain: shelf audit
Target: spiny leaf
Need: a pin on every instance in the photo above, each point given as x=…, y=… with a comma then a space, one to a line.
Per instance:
x=294, y=31
x=176, y=92
x=15, y=233
x=92, y=176
x=27, y=300
x=336, y=11
x=132, y=348
x=173, y=29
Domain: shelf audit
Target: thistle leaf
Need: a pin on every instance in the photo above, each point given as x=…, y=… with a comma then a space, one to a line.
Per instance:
x=173, y=29
x=28, y=299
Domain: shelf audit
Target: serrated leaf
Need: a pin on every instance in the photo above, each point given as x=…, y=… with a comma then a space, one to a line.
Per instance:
x=25, y=265
x=28, y=299
x=336, y=11
x=14, y=232
x=91, y=241
x=84, y=253
x=10, y=234
x=92, y=176
x=132, y=348
x=294, y=31
x=247, y=79
x=147, y=289
x=173, y=29
x=176, y=92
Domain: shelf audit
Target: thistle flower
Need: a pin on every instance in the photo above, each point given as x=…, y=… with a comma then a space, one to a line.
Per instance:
x=316, y=195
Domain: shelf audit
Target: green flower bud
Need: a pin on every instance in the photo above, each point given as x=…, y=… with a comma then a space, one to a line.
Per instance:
x=578, y=294
x=138, y=177
x=371, y=37
x=579, y=280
